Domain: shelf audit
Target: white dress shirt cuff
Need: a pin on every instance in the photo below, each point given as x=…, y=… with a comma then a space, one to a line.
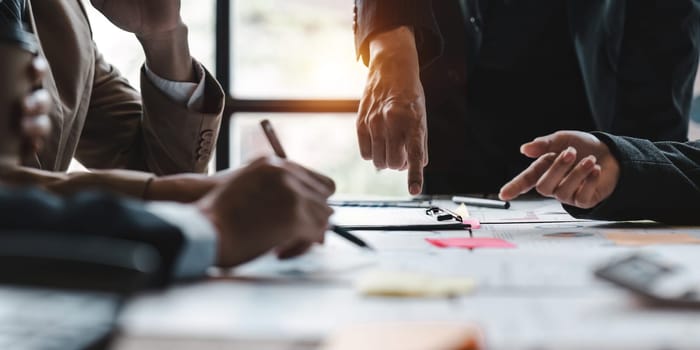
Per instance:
x=199, y=250
x=186, y=93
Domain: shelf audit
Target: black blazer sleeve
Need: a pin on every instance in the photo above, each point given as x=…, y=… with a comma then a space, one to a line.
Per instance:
x=377, y=16
x=658, y=181
x=656, y=69
x=92, y=214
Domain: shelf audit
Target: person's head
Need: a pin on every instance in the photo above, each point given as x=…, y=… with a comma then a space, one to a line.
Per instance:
x=17, y=51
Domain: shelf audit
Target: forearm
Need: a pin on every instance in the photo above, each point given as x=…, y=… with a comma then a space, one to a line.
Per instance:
x=183, y=188
x=374, y=17
x=397, y=43
x=394, y=57
x=168, y=54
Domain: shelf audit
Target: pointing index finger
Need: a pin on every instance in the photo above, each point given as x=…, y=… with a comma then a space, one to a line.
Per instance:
x=416, y=160
x=527, y=179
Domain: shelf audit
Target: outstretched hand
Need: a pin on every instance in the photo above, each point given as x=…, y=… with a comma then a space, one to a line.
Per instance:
x=573, y=167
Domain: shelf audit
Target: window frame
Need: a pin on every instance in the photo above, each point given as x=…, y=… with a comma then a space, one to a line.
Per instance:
x=233, y=105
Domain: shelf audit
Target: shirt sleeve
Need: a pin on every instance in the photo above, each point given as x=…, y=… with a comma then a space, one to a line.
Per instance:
x=186, y=93
x=199, y=250
x=658, y=181
x=372, y=17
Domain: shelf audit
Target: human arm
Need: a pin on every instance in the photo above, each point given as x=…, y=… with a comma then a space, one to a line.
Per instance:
x=152, y=131
x=270, y=204
x=391, y=123
x=372, y=17
x=658, y=181
x=573, y=167
x=394, y=38
x=91, y=214
x=634, y=179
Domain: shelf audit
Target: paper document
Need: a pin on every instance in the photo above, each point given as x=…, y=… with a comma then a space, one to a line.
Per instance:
x=388, y=218
x=321, y=263
x=526, y=211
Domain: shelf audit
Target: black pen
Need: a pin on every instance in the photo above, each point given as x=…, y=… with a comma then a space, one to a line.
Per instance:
x=279, y=151
x=342, y=232
x=481, y=202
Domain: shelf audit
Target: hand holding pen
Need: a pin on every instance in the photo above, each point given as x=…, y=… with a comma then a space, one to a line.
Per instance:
x=279, y=151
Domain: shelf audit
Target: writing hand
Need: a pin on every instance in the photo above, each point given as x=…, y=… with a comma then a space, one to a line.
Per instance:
x=271, y=203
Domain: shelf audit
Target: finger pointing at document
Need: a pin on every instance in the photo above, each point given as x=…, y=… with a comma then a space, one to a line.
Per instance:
x=573, y=167
x=391, y=124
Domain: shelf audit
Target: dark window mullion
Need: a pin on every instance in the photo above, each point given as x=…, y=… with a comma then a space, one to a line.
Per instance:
x=225, y=76
x=293, y=106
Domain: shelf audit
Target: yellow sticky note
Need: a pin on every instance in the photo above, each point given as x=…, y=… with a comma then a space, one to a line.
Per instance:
x=636, y=239
x=406, y=284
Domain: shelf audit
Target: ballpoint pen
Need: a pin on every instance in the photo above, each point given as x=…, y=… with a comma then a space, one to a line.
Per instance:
x=481, y=202
x=279, y=151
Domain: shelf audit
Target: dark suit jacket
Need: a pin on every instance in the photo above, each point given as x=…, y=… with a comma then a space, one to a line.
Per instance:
x=637, y=58
x=658, y=181
x=91, y=213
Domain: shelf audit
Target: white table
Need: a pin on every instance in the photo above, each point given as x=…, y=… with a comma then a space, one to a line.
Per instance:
x=541, y=295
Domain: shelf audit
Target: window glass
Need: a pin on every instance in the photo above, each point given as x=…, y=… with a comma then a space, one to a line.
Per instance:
x=324, y=142
x=124, y=51
x=285, y=49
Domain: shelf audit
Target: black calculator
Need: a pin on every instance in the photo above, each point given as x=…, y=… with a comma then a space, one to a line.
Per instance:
x=655, y=280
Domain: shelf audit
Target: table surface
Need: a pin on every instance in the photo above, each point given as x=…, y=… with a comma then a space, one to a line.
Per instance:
x=540, y=295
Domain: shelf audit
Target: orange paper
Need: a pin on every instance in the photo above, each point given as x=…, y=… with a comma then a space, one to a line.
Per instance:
x=636, y=239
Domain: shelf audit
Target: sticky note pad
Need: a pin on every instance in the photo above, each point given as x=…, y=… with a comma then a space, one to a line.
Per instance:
x=470, y=243
x=406, y=335
x=641, y=238
x=407, y=284
x=474, y=224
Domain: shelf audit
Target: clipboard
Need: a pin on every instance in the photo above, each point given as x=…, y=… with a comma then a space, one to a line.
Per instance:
x=358, y=218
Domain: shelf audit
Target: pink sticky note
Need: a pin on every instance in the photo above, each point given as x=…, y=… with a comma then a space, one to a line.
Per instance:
x=470, y=243
x=474, y=223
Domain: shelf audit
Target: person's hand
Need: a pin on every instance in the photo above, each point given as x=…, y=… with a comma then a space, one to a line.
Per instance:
x=34, y=123
x=572, y=166
x=141, y=17
x=159, y=27
x=391, y=123
x=271, y=203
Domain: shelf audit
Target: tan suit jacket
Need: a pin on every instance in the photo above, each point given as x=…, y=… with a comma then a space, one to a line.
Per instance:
x=102, y=121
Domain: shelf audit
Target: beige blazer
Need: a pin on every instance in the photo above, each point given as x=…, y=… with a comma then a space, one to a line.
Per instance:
x=103, y=122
